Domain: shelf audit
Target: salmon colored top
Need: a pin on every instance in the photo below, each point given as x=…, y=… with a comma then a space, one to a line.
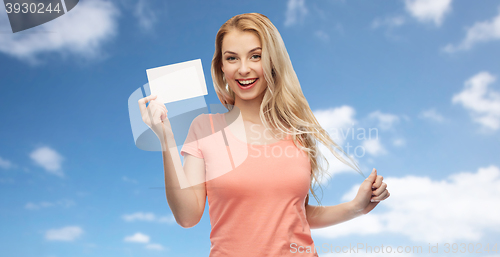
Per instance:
x=256, y=208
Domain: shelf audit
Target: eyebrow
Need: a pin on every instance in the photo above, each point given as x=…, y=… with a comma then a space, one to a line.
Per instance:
x=257, y=48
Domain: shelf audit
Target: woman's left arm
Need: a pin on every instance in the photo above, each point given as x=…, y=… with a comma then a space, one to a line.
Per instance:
x=370, y=193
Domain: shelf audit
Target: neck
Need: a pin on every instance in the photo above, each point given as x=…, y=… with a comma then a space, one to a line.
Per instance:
x=250, y=108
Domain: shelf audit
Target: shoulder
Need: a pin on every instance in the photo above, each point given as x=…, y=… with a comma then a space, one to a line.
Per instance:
x=200, y=119
x=207, y=119
x=200, y=123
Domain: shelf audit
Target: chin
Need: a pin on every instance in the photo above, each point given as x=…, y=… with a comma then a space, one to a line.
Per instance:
x=252, y=96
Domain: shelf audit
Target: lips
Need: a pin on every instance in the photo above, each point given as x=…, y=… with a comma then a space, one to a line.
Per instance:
x=246, y=83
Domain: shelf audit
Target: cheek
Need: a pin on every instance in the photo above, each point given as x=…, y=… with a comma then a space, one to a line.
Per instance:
x=260, y=71
x=229, y=73
x=263, y=84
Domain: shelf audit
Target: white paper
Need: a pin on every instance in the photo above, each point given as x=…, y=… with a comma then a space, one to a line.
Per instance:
x=177, y=82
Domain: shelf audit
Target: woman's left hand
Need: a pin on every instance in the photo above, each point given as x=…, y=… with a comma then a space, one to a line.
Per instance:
x=370, y=193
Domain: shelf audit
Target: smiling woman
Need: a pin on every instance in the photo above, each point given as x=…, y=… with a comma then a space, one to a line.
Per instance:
x=242, y=66
x=259, y=208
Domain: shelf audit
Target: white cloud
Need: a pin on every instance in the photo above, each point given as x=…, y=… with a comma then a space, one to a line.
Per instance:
x=337, y=122
x=390, y=22
x=127, y=179
x=399, y=142
x=145, y=15
x=49, y=159
x=139, y=216
x=428, y=10
x=37, y=206
x=460, y=207
x=33, y=206
x=482, y=102
x=431, y=114
x=296, y=11
x=137, y=238
x=339, y=28
x=374, y=147
x=81, y=32
x=157, y=247
x=166, y=219
x=69, y=233
x=480, y=32
x=323, y=36
x=386, y=121
x=147, y=216
x=364, y=225
x=335, y=166
x=5, y=164
x=143, y=239
x=6, y=181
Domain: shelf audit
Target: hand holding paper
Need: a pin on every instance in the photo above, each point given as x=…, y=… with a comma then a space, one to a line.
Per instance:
x=154, y=115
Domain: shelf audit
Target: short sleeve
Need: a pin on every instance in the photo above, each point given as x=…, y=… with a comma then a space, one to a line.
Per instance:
x=192, y=144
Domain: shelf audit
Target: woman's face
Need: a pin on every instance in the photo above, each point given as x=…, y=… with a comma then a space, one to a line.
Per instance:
x=241, y=64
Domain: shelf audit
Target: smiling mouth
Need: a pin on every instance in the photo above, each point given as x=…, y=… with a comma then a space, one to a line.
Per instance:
x=245, y=83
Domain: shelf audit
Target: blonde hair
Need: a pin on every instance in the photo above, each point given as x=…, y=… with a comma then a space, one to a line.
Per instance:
x=283, y=106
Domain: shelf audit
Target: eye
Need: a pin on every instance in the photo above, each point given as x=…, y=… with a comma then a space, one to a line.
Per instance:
x=256, y=56
x=231, y=58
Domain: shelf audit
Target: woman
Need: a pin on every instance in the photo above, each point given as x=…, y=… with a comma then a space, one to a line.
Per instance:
x=261, y=207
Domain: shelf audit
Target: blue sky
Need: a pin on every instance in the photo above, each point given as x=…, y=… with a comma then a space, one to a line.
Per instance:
x=424, y=74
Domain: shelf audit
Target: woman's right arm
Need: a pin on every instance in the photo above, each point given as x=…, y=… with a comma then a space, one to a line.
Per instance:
x=186, y=201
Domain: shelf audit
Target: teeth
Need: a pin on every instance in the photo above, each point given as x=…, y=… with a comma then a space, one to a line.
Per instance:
x=246, y=82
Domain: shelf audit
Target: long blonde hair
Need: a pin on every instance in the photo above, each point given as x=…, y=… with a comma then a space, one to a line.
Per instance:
x=284, y=106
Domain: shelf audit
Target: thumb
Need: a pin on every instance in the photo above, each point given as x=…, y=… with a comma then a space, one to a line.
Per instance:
x=371, y=178
x=150, y=98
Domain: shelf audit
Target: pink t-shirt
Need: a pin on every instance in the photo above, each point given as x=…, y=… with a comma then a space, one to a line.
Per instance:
x=256, y=193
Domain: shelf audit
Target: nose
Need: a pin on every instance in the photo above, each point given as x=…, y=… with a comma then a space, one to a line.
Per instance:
x=244, y=68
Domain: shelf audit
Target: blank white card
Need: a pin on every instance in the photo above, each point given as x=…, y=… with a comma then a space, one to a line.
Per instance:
x=178, y=81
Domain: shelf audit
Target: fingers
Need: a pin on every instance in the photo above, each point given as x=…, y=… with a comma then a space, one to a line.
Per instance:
x=384, y=195
x=158, y=105
x=159, y=114
x=156, y=114
x=142, y=103
x=147, y=99
x=379, y=190
x=149, y=113
x=153, y=115
x=380, y=193
x=163, y=110
x=163, y=115
x=378, y=182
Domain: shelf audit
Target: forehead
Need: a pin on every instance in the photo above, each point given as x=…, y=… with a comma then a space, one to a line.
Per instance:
x=240, y=41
